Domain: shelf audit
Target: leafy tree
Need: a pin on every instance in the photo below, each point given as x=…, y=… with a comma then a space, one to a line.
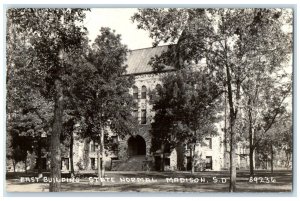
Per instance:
x=29, y=114
x=265, y=100
x=49, y=35
x=230, y=41
x=27, y=109
x=25, y=129
x=102, y=91
x=20, y=148
x=285, y=139
x=186, y=109
x=277, y=139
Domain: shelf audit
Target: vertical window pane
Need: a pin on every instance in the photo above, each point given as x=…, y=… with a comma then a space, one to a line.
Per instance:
x=135, y=114
x=135, y=92
x=208, y=162
x=93, y=146
x=167, y=161
x=115, y=145
x=144, y=92
x=143, y=119
x=64, y=163
x=208, y=142
x=92, y=163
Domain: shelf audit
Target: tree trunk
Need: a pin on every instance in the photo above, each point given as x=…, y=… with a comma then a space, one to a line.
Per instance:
x=233, y=113
x=39, y=159
x=99, y=167
x=251, y=158
x=251, y=146
x=55, y=184
x=180, y=157
x=101, y=163
x=162, y=156
x=71, y=155
x=102, y=154
x=251, y=152
x=14, y=165
x=288, y=158
x=25, y=165
x=192, y=149
x=272, y=157
x=232, y=187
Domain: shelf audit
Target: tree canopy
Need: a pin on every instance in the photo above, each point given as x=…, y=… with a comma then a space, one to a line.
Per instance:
x=188, y=104
x=47, y=36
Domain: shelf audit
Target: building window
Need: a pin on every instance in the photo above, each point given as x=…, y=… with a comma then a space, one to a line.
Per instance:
x=115, y=145
x=93, y=146
x=136, y=114
x=42, y=162
x=65, y=163
x=143, y=118
x=114, y=139
x=93, y=163
x=167, y=148
x=135, y=105
x=167, y=162
x=144, y=92
x=135, y=92
x=208, y=162
x=208, y=142
x=188, y=163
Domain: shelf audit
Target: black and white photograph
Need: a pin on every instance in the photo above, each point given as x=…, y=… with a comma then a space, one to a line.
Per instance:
x=150, y=100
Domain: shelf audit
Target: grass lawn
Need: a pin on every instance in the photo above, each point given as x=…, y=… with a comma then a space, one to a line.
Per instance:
x=212, y=181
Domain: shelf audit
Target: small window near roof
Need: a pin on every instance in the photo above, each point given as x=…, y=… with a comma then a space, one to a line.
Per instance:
x=135, y=92
x=144, y=92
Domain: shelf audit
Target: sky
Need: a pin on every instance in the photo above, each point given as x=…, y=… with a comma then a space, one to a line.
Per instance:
x=119, y=20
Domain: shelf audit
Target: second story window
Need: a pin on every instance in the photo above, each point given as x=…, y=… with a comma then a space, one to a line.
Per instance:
x=144, y=92
x=93, y=146
x=136, y=113
x=143, y=117
x=135, y=92
x=115, y=146
x=208, y=142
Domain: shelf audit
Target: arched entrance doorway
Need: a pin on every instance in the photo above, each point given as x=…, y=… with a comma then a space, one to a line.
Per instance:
x=136, y=146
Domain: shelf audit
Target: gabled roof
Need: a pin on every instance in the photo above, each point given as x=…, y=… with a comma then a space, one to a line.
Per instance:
x=138, y=60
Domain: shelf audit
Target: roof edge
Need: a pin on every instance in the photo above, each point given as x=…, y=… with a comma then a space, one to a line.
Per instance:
x=151, y=72
x=151, y=47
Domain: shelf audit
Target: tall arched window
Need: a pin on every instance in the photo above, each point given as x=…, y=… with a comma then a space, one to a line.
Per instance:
x=135, y=92
x=144, y=117
x=144, y=92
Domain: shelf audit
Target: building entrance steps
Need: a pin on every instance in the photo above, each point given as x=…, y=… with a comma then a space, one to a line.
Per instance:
x=134, y=163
